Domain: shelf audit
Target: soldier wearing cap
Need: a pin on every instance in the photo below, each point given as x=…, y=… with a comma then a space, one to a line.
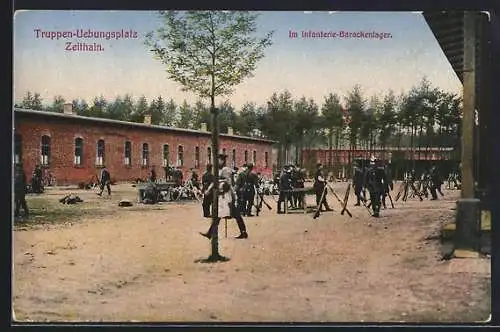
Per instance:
x=251, y=183
x=227, y=208
x=375, y=181
x=240, y=187
x=319, y=187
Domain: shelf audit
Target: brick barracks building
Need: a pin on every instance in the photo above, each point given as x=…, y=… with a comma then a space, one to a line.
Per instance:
x=74, y=148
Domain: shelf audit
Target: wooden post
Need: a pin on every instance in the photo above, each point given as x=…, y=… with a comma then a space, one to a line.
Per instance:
x=469, y=99
x=468, y=207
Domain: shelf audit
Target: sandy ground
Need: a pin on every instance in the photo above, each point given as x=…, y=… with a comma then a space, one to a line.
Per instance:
x=95, y=261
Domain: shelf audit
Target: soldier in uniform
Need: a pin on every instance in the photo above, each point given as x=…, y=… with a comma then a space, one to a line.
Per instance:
x=177, y=176
x=388, y=186
x=319, y=187
x=435, y=183
x=206, y=180
x=284, y=183
x=194, y=179
x=375, y=181
x=240, y=187
x=226, y=206
x=152, y=174
x=357, y=181
x=295, y=183
x=37, y=180
x=299, y=184
x=251, y=183
x=20, y=191
x=105, y=181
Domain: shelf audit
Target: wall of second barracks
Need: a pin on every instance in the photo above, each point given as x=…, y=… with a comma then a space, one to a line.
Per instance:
x=63, y=133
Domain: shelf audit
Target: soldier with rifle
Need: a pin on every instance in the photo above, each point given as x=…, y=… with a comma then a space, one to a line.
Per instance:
x=375, y=181
x=206, y=181
x=389, y=185
x=319, y=187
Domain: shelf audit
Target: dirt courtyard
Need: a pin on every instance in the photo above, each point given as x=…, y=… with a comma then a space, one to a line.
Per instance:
x=95, y=261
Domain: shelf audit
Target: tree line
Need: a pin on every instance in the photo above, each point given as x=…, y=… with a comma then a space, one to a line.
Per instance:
x=425, y=116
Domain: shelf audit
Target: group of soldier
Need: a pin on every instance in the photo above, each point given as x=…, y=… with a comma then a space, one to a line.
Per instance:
x=291, y=177
x=232, y=193
x=377, y=179
x=244, y=182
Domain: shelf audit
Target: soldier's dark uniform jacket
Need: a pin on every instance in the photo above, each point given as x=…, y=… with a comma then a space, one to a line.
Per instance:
x=177, y=176
x=105, y=177
x=240, y=187
x=319, y=179
x=319, y=187
x=250, y=186
x=20, y=191
x=20, y=182
x=435, y=177
x=194, y=180
x=206, y=180
x=436, y=182
x=252, y=180
x=285, y=183
x=36, y=180
x=388, y=176
x=152, y=175
x=241, y=180
x=357, y=182
x=375, y=181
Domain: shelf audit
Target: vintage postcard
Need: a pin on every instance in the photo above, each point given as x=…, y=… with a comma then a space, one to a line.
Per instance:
x=225, y=166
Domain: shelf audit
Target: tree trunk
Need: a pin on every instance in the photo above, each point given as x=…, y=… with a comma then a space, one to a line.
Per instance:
x=330, y=146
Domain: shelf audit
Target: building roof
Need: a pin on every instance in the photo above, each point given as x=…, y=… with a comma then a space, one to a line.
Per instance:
x=448, y=28
x=134, y=124
x=387, y=149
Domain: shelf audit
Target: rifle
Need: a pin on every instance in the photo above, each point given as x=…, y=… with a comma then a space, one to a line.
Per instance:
x=262, y=201
x=343, y=204
x=390, y=198
x=316, y=214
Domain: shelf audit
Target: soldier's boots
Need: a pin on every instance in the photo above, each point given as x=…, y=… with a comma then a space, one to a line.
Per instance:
x=243, y=235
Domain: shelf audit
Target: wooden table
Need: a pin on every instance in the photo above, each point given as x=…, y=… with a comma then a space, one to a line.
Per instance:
x=298, y=190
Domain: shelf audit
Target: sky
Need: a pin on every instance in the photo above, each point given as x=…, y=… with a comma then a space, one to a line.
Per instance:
x=310, y=67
